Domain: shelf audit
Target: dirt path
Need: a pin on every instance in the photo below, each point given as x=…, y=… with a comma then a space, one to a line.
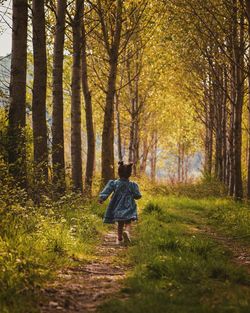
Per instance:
x=240, y=251
x=83, y=288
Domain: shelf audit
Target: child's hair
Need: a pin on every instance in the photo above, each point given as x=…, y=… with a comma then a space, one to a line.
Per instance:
x=124, y=170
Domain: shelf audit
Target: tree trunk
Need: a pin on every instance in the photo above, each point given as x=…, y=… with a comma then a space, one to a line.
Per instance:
x=179, y=163
x=248, y=167
x=153, y=159
x=131, y=133
x=224, y=129
x=231, y=152
x=136, y=127
x=39, y=93
x=239, y=62
x=58, y=161
x=248, y=135
x=76, y=143
x=108, y=125
x=118, y=123
x=88, y=115
x=218, y=102
x=209, y=128
x=144, y=156
x=17, y=114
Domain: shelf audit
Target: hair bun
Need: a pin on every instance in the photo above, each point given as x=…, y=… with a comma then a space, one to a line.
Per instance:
x=120, y=163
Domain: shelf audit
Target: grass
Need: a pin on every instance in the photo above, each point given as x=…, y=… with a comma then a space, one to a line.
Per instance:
x=37, y=241
x=178, y=269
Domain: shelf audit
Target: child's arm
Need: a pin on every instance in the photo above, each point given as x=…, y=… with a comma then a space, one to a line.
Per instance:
x=136, y=191
x=108, y=189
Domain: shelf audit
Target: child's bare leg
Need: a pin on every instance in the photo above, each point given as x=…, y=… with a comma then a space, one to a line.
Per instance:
x=120, y=230
x=128, y=227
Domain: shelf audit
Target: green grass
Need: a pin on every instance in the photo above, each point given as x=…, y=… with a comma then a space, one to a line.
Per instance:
x=37, y=241
x=178, y=269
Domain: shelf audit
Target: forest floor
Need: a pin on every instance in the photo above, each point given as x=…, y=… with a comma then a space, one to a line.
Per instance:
x=182, y=260
x=83, y=288
x=240, y=250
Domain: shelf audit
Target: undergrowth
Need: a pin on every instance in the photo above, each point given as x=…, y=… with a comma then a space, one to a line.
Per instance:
x=37, y=241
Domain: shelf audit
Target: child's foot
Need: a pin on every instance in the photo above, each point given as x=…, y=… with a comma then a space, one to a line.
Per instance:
x=119, y=242
x=126, y=237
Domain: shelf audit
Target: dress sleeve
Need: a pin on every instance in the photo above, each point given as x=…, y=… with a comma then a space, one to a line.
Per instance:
x=108, y=189
x=136, y=191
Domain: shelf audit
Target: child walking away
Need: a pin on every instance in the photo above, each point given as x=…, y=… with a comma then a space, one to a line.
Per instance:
x=122, y=206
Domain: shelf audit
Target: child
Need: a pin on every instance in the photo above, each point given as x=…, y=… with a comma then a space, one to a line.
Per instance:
x=122, y=207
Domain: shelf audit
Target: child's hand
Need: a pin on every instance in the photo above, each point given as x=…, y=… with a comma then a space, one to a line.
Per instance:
x=100, y=201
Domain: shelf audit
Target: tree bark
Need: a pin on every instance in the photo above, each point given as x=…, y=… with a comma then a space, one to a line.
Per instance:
x=145, y=151
x=108, y=125
x=88, y=115
x=39, y=92
x=118, y=123
x=76, y=142
x=17, y=114
x=239, y=63
x=153, y=159
x=58, y=161
x=209, y=124
x=248, y=166
x=248, y=135
x=218, y=103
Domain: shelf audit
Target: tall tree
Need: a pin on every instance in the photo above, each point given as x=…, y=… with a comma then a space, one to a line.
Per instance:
x=238, y=46
x=112, y=46
x=17, y=111
x=76, y=142
x=247, y=2
x=39, y=91
x=88, y=113
x=58, y=161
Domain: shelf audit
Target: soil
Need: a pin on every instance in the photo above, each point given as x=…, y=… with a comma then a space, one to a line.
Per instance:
x=83, y=288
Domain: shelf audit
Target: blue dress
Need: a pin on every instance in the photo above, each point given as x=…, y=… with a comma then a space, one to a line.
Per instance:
x=122, y=206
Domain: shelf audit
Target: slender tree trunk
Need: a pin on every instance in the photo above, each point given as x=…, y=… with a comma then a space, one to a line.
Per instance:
x=248, y=167
x=153, y=159
x=118, y=123
x=131, y=133
x=39, y=92
x=144, y=156
x=76, y=142
x=209, y=128
x=233, y=95
x=224, y=129
x=182, y=162
x=58, y=161
x=136, y=126
x=88, y=115
x=179, y=163
x=231, y=152
x=239, y=58
x=17, y=114
x=108, y=125
x=218, y=104
x=248, y=138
